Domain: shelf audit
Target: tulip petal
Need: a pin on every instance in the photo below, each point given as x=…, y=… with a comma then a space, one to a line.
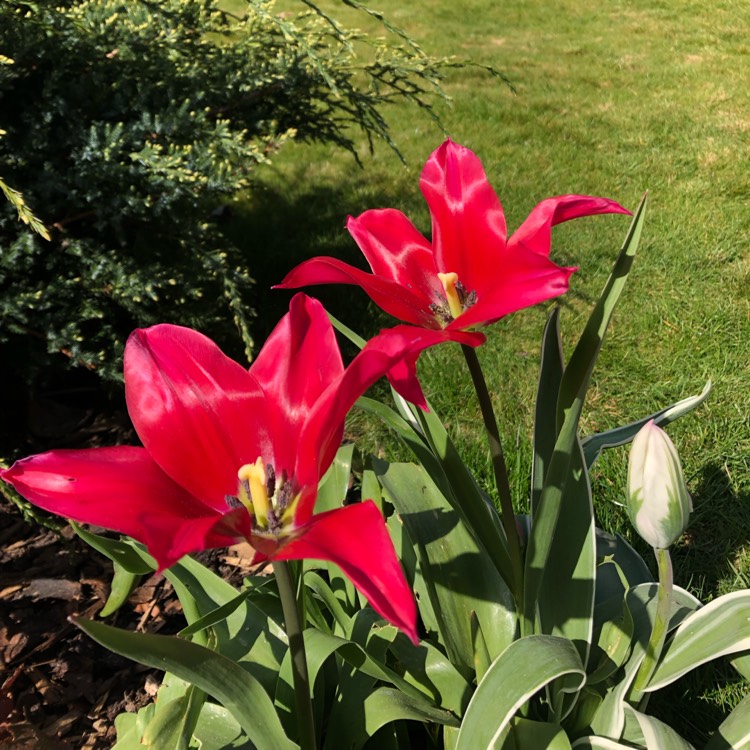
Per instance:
x=396, y=299
x=299, y=360
x=529, y=280
x=123, y=489
x=536, y=232
x=393, y=352
x=396, y=250
x=199, y=414
x=356, y=539
x=468, y=223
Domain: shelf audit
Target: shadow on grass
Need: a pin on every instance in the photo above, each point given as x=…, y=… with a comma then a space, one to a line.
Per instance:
x=282, y=225
x=706, y=561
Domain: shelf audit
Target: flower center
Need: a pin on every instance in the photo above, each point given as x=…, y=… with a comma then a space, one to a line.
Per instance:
x=269, y=499
x=457, y=299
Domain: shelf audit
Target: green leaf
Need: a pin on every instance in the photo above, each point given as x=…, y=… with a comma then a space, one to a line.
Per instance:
x=566, y=461
x=719, y=628
x=237, y=690
x=537, y=735
x=545, y=411
x=467, y=498
x=218, y=730
x=334, y=485
x=215, y=616
x=599, y=743
x=459, y=575
x=325, y=592
x=578, y=371
x=332, y=492
x=523, y=669
x=429, y=669
x=120, y=551
x=595, y=444
x=566, y=592
x=734, y=731
x=383, y=706
x=174, y=722
x=641, y=604
x=123, y=584
x=658, y=735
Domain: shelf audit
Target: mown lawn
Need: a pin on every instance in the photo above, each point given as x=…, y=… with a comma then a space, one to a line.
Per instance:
x=613, y=100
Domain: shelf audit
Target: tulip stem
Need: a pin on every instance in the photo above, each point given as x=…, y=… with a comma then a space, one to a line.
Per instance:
x=661, y=620
x=300, y=675
x=507, y=513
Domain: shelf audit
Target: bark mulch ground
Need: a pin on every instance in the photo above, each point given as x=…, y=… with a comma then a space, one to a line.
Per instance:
x=60, y=690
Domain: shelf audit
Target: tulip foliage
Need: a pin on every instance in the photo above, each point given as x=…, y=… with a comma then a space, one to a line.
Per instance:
x=418, y=615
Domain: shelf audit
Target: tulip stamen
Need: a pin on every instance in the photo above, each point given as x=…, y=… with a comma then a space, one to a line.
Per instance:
x=457, y=299
x=268, y=497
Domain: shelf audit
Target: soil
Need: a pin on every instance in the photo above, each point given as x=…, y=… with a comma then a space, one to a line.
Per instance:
x=59, y=690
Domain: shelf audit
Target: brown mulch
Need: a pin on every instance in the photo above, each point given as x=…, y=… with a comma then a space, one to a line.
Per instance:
x=60, y=690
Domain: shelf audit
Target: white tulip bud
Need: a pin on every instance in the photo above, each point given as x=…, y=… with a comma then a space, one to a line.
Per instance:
x=658, y=502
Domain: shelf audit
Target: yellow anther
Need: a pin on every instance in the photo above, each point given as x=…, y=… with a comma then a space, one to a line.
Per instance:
x=449, y=281
x=255, y=476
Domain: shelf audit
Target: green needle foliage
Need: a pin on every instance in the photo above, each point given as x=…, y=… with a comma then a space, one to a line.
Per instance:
x=128, y=124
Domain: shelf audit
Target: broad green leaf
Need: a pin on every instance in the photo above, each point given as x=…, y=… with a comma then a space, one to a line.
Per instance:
x=734, y=731
x=218, y=730
x=566, y=592
x=522, y=670
x=381, y=707
x=334, y=485
x=119, y=551
x=201, y=592
x=658, y=735
x=217, y=615
x=537, y=735
x=320, y=646
x=459, y=576
x=429, y=442
x=313, y=581
x=429, y=669
x=617, y=559
x=123, y=584
x=609, y=719
x=545, y=412
x=332, y=492
x=174, y=722
x=563, y=465
x=578, y=370
x=593, y=445
x=742, y=665
x=467, y=498
x=481, y=655
x=599, y=743
x=719, y=628
x=237, y=690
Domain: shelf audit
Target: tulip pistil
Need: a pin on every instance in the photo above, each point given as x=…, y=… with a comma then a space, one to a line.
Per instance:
x=267, y=497
x=457, y=300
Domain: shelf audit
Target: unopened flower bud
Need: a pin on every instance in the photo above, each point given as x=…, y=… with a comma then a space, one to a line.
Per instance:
x=658, y=502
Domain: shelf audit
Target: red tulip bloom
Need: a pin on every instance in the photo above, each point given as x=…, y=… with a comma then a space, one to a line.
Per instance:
x=230, y=454
x=470, y=274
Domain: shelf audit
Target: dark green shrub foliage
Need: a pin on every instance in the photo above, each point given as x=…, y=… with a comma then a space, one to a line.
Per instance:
x=128, y=121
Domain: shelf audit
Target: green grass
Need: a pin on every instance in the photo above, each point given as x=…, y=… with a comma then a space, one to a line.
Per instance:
x=611, y=100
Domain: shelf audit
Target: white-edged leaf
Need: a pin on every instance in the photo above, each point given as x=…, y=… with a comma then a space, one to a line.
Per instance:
x=599, y=743
x=658, y=735
x=524, y=668
x=734, y=731
x=719, y=628
x=236, y=689
x=593, y=445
